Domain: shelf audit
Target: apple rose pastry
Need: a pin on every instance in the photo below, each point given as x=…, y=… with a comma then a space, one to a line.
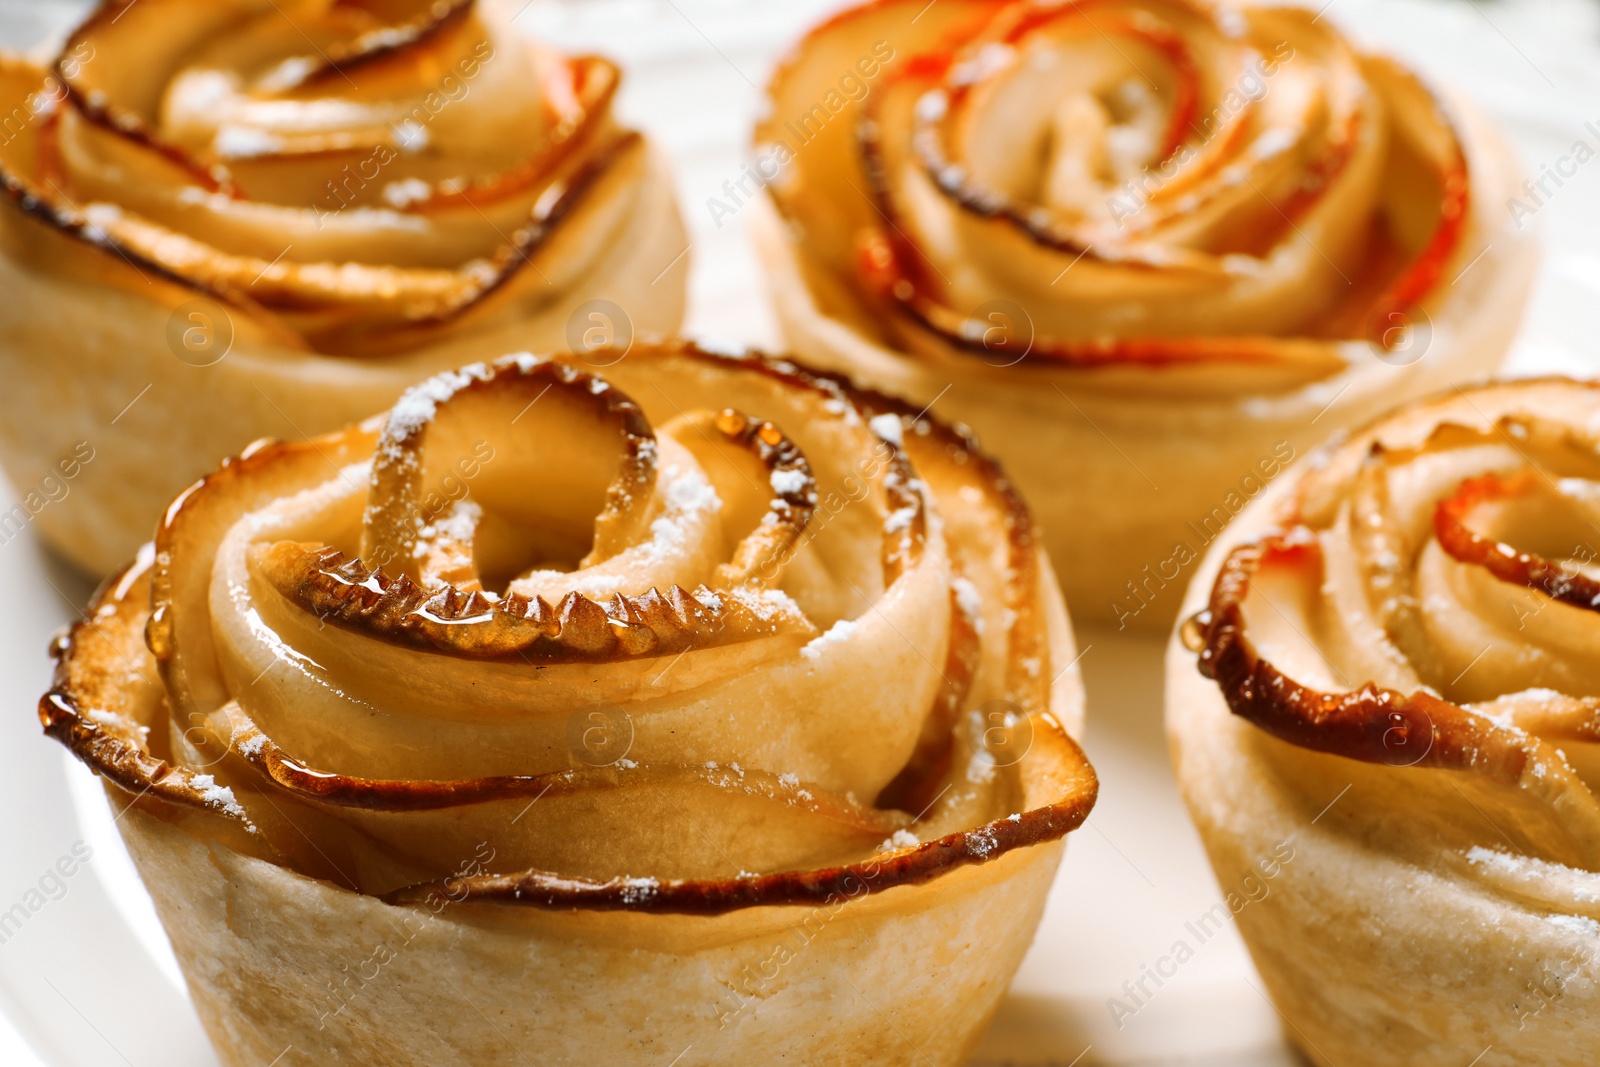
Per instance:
x=231, y=219
x=734, y=707
x=1146, y=249
x=1406, y=639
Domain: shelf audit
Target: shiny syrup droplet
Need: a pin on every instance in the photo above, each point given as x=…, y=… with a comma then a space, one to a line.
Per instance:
x=158, y=633
x=1193, y=631
x=730, y=422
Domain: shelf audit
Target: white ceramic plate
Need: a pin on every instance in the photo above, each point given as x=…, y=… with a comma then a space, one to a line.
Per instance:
x=86, y=977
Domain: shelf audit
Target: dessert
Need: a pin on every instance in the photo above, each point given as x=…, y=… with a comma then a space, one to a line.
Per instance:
x=249, y=218
x=710, y=709
x=1148, y=250
x=1403, y=632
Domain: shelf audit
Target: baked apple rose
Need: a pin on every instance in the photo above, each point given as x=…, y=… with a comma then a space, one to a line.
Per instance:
x=1404, y=633
x=1171, y=240
x=239, y=218
x=711, y=693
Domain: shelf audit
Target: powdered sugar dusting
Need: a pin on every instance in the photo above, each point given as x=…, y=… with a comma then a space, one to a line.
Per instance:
x=458, y=524
x=1580, y=925
x=1500, y=861
x=768, y=604
x=789, y=482
x=638, y=890
x=1273, y=142
x=419, y=404
x=242, y=142
x=837, y=634
x=218, y=796
x=404, y=193
x=900, y=839
x=899, y=519
x=970, y=602
x=1527, y=868
x=888, y=427
x=689, y=495
x=690, y=491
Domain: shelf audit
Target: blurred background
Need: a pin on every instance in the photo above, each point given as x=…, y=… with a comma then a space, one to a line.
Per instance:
x=89, y=980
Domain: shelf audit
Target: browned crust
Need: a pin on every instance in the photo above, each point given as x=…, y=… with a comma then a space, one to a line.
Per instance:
x=1371, y=724
x=135, y=771
x=514, y=257
x=30, y=202
x=719, y=896
x=1008, y=22
x=114, y=759
x=86, y=679
x=1505, y=562
x=376, y=47
x=1370, y=430
x=363, y=600
x=570, y=191
x=772, y=542
x=398, y=460
x=120, y=603
x=914, y=789
x=565, y=194
x=113, y=119
x=908, y=290
x=566, y=143
x=400, y=795
x=462, y=622
x=962, y=447
x=335, y=60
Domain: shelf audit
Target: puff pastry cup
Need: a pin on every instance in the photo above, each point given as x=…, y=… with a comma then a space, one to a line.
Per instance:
x=1404, y=632
x=1147, y=249
x=724, y=718
x=228, y=219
